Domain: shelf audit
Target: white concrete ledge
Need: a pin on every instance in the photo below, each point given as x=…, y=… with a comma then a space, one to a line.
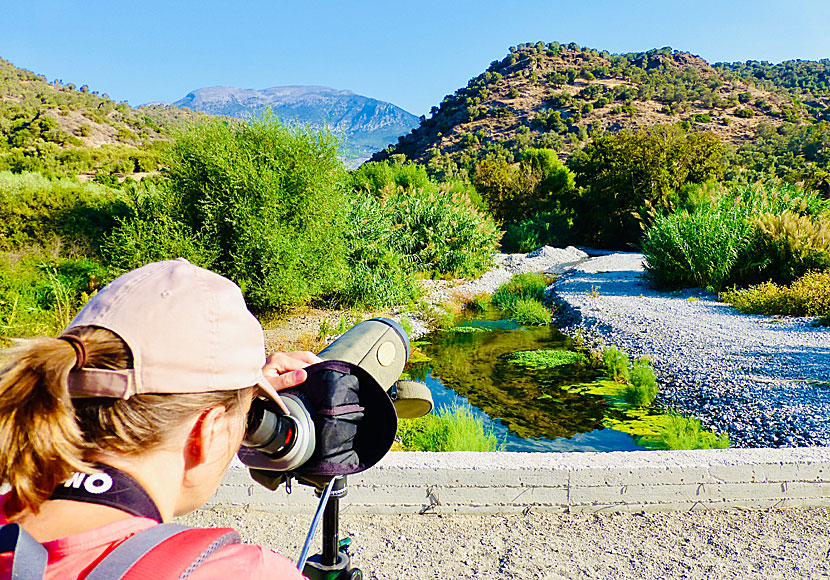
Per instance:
x=406, y=482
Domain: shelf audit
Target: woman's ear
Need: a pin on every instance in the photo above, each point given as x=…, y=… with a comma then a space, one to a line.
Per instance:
x=209, y=430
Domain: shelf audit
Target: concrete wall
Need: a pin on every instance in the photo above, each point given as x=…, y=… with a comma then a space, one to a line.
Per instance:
x=618, y=481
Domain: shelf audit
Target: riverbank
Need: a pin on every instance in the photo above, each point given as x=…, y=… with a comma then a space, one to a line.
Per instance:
x=764, y=380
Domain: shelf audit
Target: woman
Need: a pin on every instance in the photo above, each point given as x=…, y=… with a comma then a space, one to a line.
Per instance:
x=150, y=384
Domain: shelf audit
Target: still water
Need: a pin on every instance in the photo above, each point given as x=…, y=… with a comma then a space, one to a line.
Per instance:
x=528, y=410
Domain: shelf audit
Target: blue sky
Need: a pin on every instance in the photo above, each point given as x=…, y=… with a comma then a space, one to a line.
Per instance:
x=408, y=53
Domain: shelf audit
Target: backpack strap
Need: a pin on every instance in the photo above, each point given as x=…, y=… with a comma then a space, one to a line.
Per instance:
x=167, y=551
x=30, y=558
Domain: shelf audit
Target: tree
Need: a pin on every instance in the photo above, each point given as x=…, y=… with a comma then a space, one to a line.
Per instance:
x=631, y=177
x=539, y=183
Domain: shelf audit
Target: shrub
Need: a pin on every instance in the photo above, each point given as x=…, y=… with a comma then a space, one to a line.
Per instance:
x=37, y=211
x=546, y=229
x=267, y=204
x=378, y=276
x=631, y=178
x=451, y=429
x=733, y=240
x=643, y=387
x=529, y=311
x=527, y=285
x=807, y=296
x=39, y=294
x=522, y=297
x=439, y=230
x=616, y=364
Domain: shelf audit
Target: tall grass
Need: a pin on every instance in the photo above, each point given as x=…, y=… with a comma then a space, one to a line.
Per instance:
x=682, y=432
x=39, y=295
x=522, y=298
x=643, y=385
x=748, y=235
x=451, y=429
x=616, y=364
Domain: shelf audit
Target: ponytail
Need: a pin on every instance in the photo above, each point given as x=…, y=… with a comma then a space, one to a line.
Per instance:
x=45, y=435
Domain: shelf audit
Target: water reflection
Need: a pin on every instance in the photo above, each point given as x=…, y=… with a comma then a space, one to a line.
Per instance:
x=529, y=410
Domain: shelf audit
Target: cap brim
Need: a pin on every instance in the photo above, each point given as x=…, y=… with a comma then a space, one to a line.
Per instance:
x=269, y=392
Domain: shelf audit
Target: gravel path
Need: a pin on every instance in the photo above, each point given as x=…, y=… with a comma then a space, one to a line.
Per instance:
x=740, y=545
x=764, y=380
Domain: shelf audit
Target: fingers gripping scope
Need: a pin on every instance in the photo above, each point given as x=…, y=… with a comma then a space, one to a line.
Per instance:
x=342, y=420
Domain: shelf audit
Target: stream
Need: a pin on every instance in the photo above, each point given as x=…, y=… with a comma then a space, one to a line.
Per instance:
x=550, y=409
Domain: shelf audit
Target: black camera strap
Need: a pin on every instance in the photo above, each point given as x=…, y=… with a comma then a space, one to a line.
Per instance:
x=110, y=487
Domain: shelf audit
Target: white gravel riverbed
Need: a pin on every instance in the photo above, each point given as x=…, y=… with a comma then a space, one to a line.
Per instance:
x=764, y=380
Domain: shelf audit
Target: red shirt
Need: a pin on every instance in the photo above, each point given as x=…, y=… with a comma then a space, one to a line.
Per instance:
x=72, y=557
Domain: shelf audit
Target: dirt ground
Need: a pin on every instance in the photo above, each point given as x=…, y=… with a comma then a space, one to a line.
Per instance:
x=737, y=544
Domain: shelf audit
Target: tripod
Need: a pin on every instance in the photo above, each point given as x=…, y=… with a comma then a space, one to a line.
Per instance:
x=333, y=562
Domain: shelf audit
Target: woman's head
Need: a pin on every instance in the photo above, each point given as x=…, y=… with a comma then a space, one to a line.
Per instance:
x=155, y=348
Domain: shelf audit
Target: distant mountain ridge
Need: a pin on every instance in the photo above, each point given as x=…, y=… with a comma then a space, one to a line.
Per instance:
x=367, y=124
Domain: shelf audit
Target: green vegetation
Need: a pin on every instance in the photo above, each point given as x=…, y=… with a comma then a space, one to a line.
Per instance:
x=40, y=294
x=680, y=432
x=616, y=363
x=643, y=385
x=543, y=359
x=263, y=202
x=638, y=176
x=58, y=130
x=806, y=296
x=451, y=429
x=522, y=299
x=747, y=235
x=270, y=207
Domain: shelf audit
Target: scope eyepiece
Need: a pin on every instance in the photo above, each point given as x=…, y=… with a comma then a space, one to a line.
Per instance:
x=268, y=430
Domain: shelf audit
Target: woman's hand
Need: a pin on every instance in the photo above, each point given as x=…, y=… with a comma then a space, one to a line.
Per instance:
x=285, y=369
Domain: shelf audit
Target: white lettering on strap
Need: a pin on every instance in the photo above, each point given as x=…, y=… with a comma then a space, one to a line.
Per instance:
x=75, y=481
x=98, y=483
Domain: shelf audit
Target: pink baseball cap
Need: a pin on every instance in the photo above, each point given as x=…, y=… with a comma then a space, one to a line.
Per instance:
x=188, y=329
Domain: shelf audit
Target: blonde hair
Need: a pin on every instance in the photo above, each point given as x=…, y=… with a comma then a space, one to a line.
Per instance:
x=46, y=435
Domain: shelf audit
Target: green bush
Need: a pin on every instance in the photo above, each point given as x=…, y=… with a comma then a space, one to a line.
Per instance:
x=632, y=178
x=528, y=285
x=40, y=294
x=439, y=230
x=451, y=429
x=530, y=312
x=616, y=364
x=546, y=229
x=522, y=299
x=807, y=296
x=266, y=203
x=378, y=275
x=643, y=387
x=730, y=241
x=435, y=227
x=36, y=211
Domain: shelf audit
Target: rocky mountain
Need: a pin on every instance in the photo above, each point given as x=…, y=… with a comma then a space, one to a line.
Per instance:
x=558, y=96
x=366, y=124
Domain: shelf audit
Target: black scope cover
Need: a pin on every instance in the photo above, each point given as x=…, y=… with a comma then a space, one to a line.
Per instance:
x=354, y=419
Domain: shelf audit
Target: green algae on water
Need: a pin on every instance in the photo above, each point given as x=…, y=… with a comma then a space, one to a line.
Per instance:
x=545, y=359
